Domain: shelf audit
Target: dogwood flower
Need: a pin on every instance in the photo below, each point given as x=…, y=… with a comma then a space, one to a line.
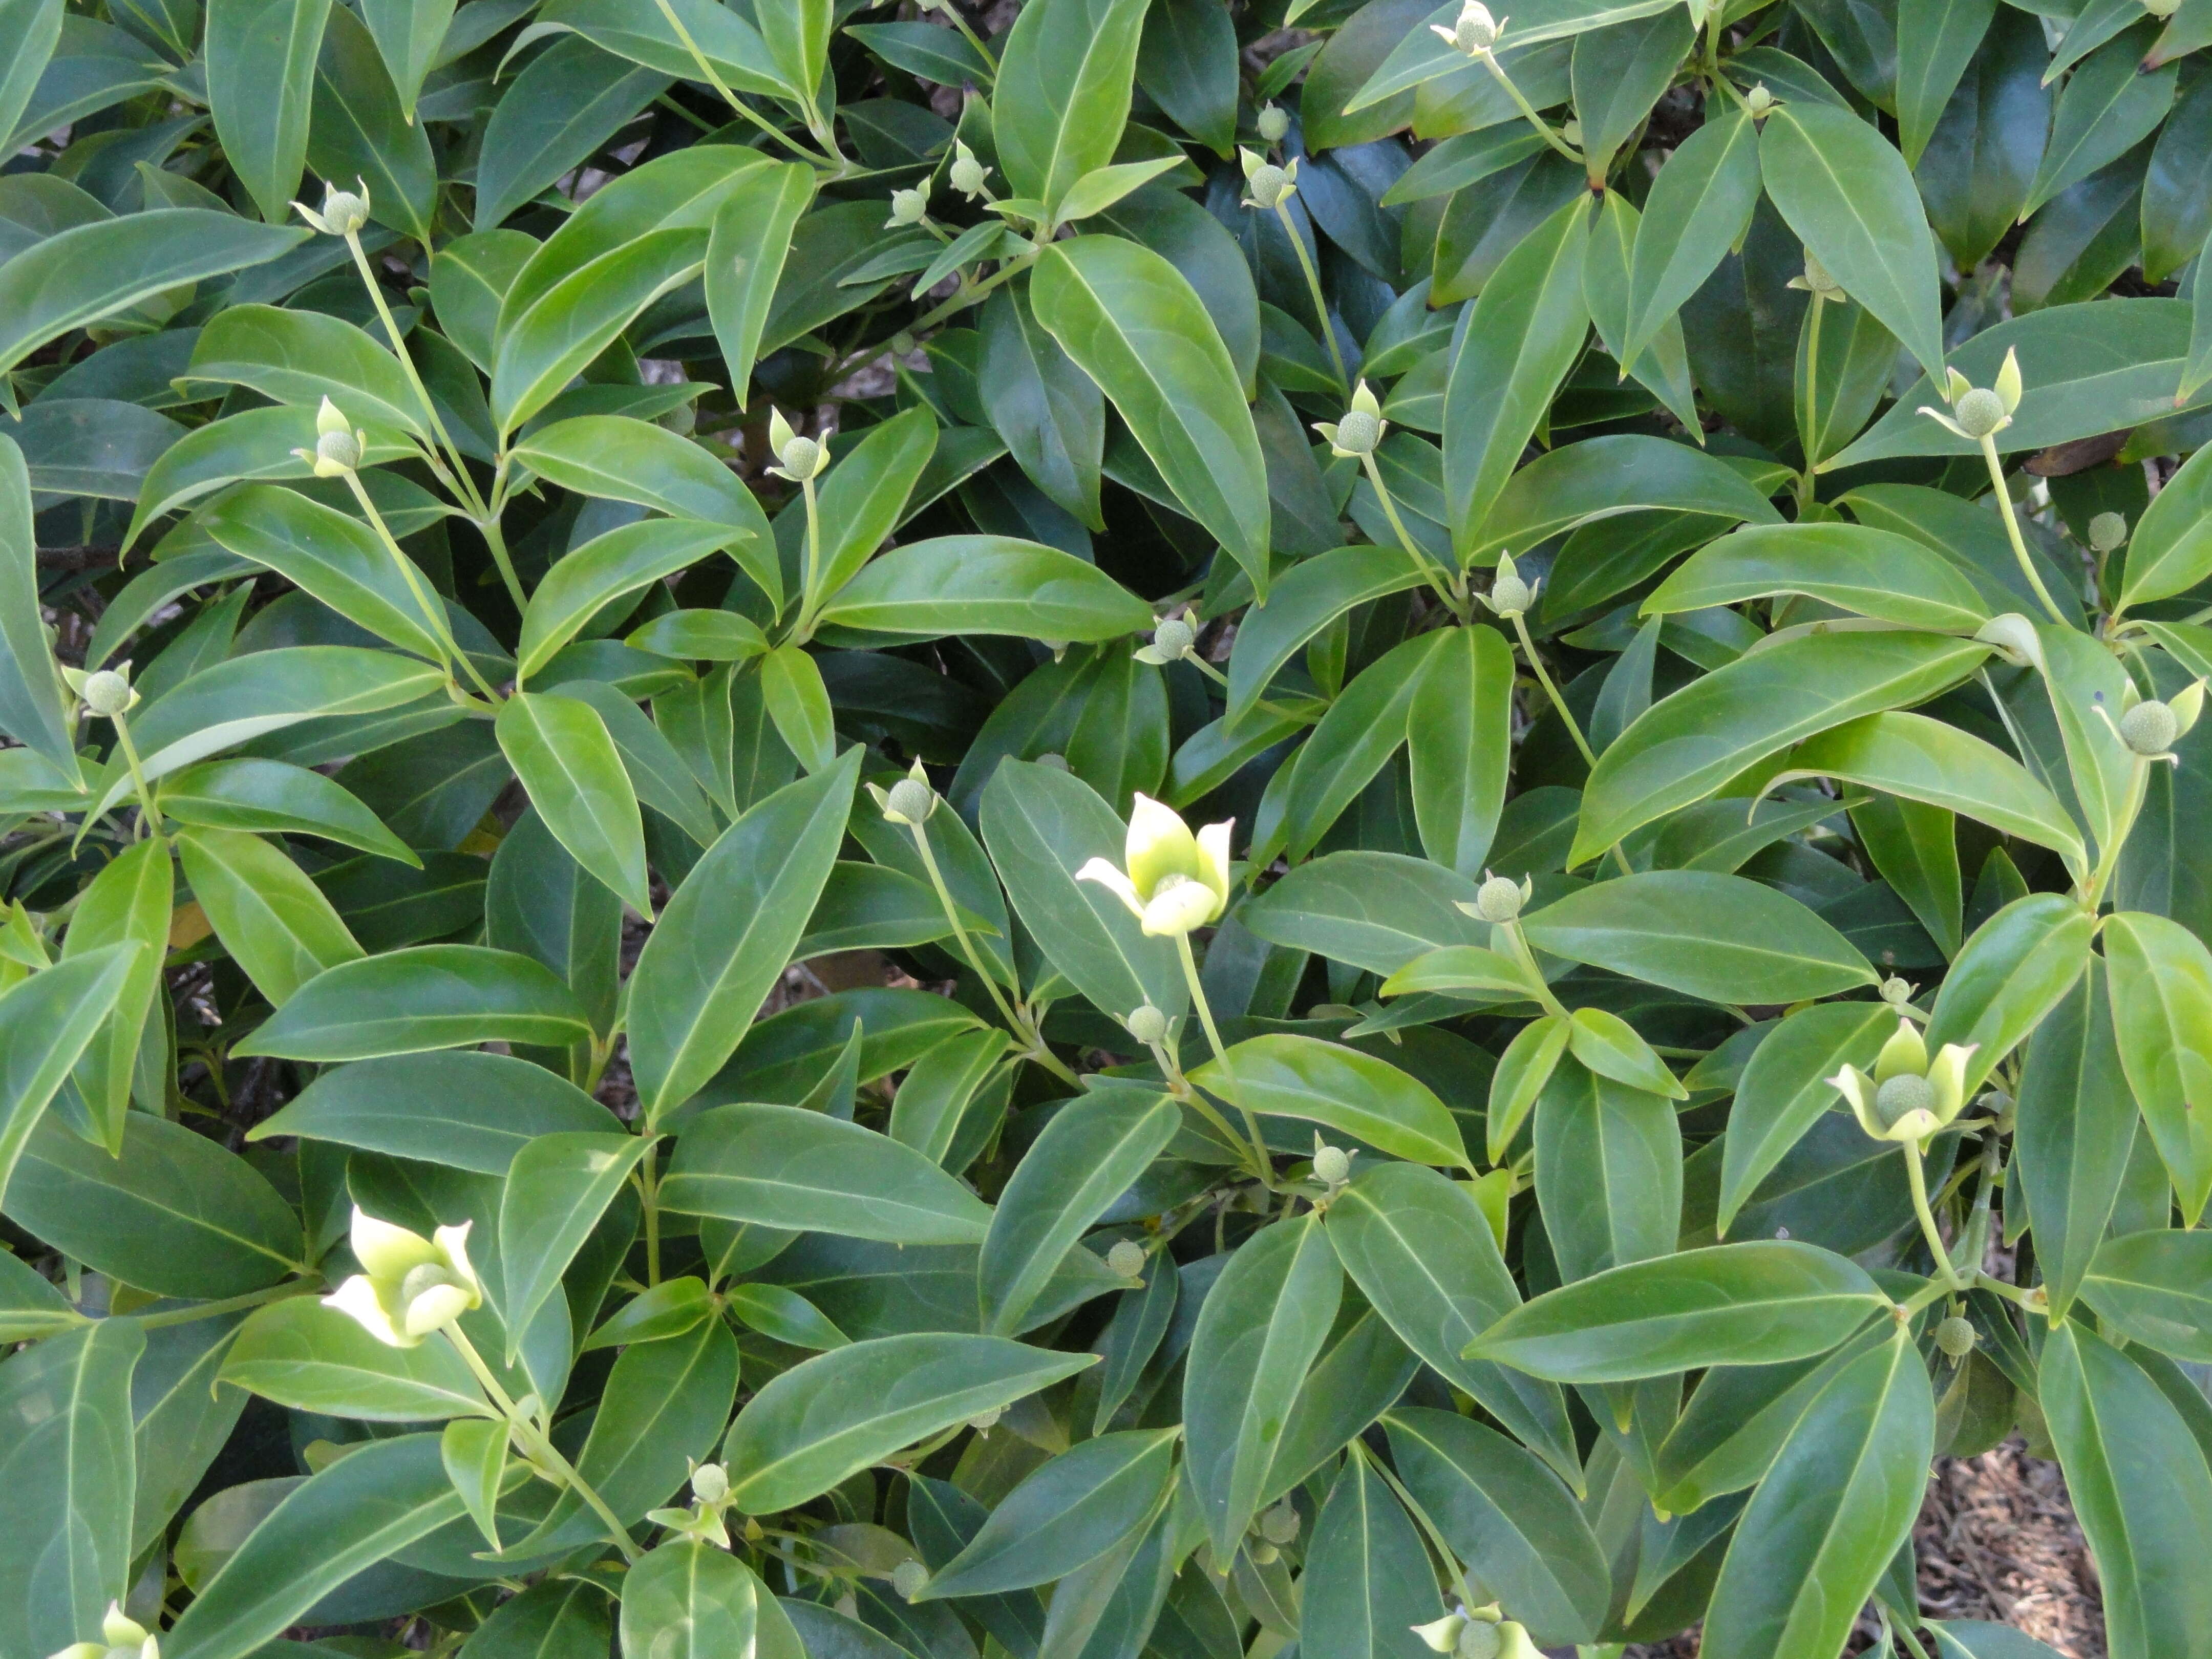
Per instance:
x=1174, y=881
x=1909, y=1097
x=121, y=1637
x=412, y=1285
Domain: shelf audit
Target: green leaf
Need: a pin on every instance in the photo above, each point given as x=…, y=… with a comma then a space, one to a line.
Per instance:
x=986, y=585
x=274, y=798
x=1132, y=323
x=2074, y=1130
x=276, y=924
x=2011, y=972
x=35, y=26
x=1608, y=1170
x=687, y=1600
x=728, y=933
x=1041, y=826
x=2160, y=980
x=1839, y=1501
x=261, y=87
x=1722, y=937
x=1340, y=1088
x=568, y=101
x=1375, y=910
x=1091, y=1152
x=1259, y=1330
x=69, y=1467
x=1757, y=1304
x=2139, y=1482
x=1424, y=1254
x=1850, y=199
x=1051, y=414
x=602, y=570
x=1699, y=206
x=2152, y=1288
x=1312, y=595
x=1784, y=1091
x=1065, y=1515
x=1599, y=477
x=2170, y=550
x=1935, y=46
x=332, y=554
x=1508, y=1518
x=427, y=996
x=408, y=34
x=31, y=709
x=560, y=749
x=464, y=1110
x=1458, y=745
x=1063, y=92
x=127, y=904
x=1872, y=572
x=1371, y=1580
x=1608, y=1045
x=784, y=1166
x=2110, y=101
x=362, y=129
x=745, y=254
x=374, y=1501
x=1527, y=328
x=1687, y=746
x=557, y=1189
x=836, y=1413
x=311, y=1357
x=176, y=1214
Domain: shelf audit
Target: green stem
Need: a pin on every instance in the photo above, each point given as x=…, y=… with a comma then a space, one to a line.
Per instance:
x=2026, y=1301
x=648, y=1192
x=146, y=804
x=1552, y=137
x=2012, y=529
x=1550, y=1003
x=458, y=479
x=808, y=596
x=229, y=1305
x=739, y=105
x=537, y=1446
x=433, y=610
x=981, y=51
x=1428, y=566
x=1808, y=411
x=1945, y=1271
x=1261, y=1165
x=1544, y=679
x=2108, y=858
x=1313, y=286
x=495, y=538
x=969, y=293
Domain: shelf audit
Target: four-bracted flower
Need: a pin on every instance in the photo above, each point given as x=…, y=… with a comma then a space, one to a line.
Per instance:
x=345, y=211
x=410, y=1286
x=1174, y=881
x=1909, y=1097
x=121, y=1637
x=1362, y=427
x=1978, y=412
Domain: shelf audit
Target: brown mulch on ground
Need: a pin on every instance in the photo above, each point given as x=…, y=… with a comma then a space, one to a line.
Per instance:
x=1996, y=1540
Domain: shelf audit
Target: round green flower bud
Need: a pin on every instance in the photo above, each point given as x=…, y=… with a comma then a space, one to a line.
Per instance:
x=1902, y=1094
x=710, y=1483
x=983, y=1422
x=1127, y=1257
x=1979, y=413
x=1273, y=123
x=909, y=798
x=2106, y=532
x=1263, y=1554
x=1509, y=596
x=1148, y=1025
x=2149, y=728
x=909, y=1578
x=1896, y=991
x=902, y=344
x=1500, y=899
x=1819, y=279
x=106, y=693
x=1758, y=99
x=1054, y=762
x=339, y=449
x=909, y=207
x=1332, y=1164
x=1476, y=30
x=344, y=212
x=1268, y=185
x=1175, y=636
x=1955, y=1337
x=801, y=458
x=1478, y=1641
x=1280, y=1525
x=2162, y=9
x=967, y=175
x=1359, y=432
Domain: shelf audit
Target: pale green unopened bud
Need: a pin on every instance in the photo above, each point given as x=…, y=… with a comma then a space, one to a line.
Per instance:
x=1175, y=636
x=2149, y=728
x=710, y=1483
x=1509, y=596
x=106, y=693
x=984, y=1422
x=1759, y=100
x=801, y=458
x=909, y=207
x=1979, y=413
x=2107, y=530
x=1359, y=432
x=1819, y=279
x=344, y=213
x=1474, y=31
x=1896, y=991
x=1441, y=1635
x=909, y=1578
x=1273, y=123
x=1332, y=1164
x=1955, y=1337
x=1902, y=1094
x=1054, y=760
x=1149, y=1025
x=1478, y=1641
x=1500, y=899
x=2162, y=9
x=1268, y=185
x=967, y=174
x=1127, y=1257
x=1280, y=1525
x=910, y=801
x=336, y=454
x=902, y=344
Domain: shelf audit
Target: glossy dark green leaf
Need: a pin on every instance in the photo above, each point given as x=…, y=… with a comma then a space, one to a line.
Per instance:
x=560, y=749
x=2075, y=1128
x=430, y=996
x=2159, y=978
x=986, y=585
x=1065, y=1515
x=1784, y=1090
x=2011, y=972
x=1338, y=1088
x=312, y=1357
x=1371, y=1582
x=1700, y=205
x=1066, y=73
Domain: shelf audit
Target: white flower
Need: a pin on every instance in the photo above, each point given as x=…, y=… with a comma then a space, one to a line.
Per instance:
x=1909, y=1097
x=1174, y=881
x=412, y=1285
x=122, y=1637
